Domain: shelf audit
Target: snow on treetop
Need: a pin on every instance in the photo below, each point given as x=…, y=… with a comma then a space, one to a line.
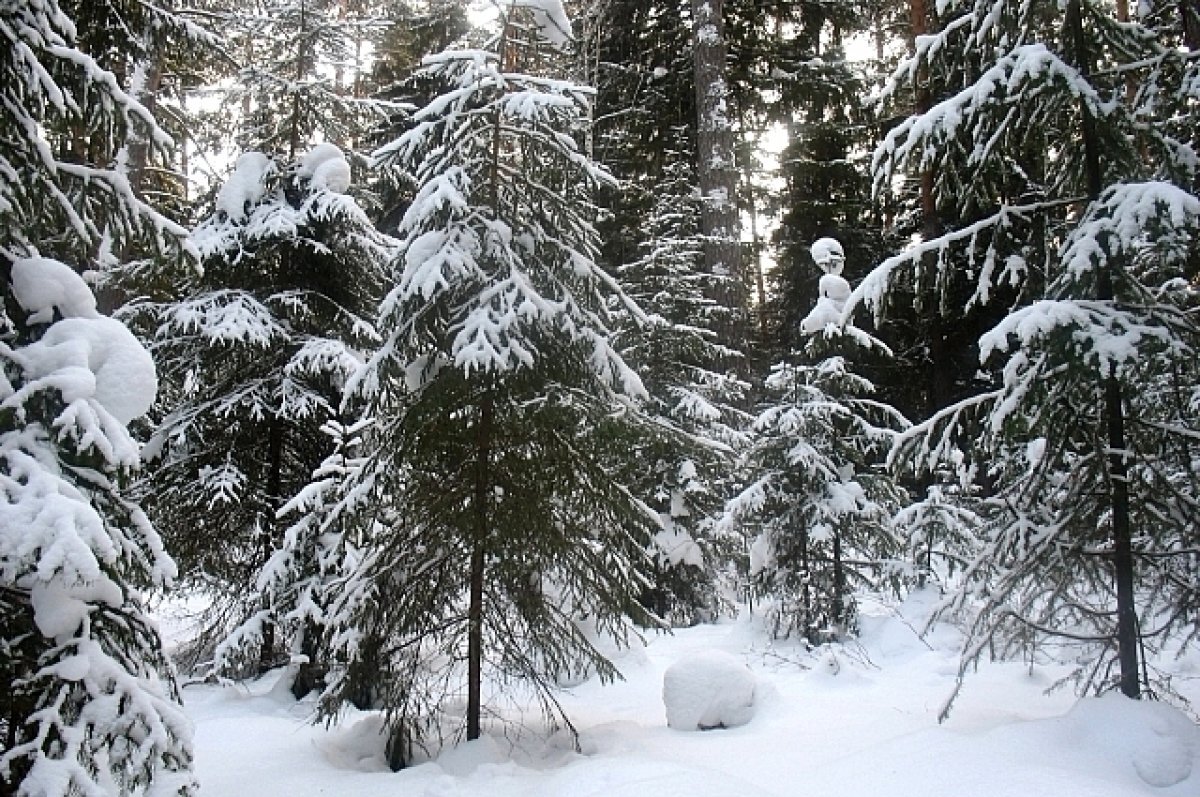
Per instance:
x=325, y=165
x=94, y=358
x=245, y=186
x=319, y=154
x=42, y=285
x=825, y=251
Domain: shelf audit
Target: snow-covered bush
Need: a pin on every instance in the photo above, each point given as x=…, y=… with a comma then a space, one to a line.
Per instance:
x=707, y=690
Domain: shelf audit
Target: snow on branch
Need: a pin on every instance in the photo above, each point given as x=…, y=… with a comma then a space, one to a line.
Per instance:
x=916, y=142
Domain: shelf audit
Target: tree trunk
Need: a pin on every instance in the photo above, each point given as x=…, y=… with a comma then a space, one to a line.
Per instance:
x=939, y=385
x=716, y=169
x=483, y=442
x=1114, y=410
x=839, y=586
x=308, y=674
x=266, y=653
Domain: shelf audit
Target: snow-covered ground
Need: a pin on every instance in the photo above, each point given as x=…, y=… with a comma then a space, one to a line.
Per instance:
x=861, y=721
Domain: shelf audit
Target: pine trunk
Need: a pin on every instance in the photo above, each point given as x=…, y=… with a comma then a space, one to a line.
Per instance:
x=939, y=386
x=266, y=653
x=475, y=605
x=1114, y=409
x=717, y=172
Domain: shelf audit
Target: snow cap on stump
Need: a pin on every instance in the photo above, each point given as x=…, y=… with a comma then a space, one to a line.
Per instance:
x=706, y=690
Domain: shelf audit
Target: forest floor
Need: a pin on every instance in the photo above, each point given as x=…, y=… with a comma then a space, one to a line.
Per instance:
x=856, y=721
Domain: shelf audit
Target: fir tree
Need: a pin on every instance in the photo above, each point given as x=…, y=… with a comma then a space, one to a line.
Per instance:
x=90, y=704
x=497, y=401
x=694, y=393
x=254, y=351
x=1080, y=431
x=818, y=493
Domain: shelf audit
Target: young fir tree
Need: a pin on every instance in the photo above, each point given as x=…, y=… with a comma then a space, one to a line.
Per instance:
x=254, y=351
x=695, y=395
x=818, y=492
x=1084, y=443
x=89, y=704
x=497, y=401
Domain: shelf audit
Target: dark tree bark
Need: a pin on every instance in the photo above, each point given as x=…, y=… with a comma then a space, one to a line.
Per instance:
x=266, y=653
x=483, y=484
x=1189, y=13
x=1114, y=409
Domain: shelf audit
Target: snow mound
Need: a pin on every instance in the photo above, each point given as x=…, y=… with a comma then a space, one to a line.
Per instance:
x=96, y=358
x=41, y=286
x=709, y=689
x=357, y=747
x=467, y=757
x=245, y=186
x=326, y=167
x=1158, y=741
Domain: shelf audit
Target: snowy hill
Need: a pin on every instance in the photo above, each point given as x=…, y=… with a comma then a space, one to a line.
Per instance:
x=858, y=721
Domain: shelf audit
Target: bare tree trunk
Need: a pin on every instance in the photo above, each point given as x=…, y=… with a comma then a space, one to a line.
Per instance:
x=940, y=374
x=716, y=168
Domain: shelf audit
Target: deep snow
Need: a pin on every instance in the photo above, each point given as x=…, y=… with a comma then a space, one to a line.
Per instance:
x=855, y=721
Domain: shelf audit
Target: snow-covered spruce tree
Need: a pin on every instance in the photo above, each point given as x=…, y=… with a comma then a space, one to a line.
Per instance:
x=89, y=705
x=940, y=532
x=498, y=401
x=254, y=352
x=818, y=493
x=1085, y=443
x=301, y=582
x=693, y=391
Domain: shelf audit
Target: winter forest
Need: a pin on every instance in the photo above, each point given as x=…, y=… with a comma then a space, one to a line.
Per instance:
x=412, y=382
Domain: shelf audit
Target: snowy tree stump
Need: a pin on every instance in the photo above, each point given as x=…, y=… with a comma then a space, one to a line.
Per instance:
x=708, y=690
